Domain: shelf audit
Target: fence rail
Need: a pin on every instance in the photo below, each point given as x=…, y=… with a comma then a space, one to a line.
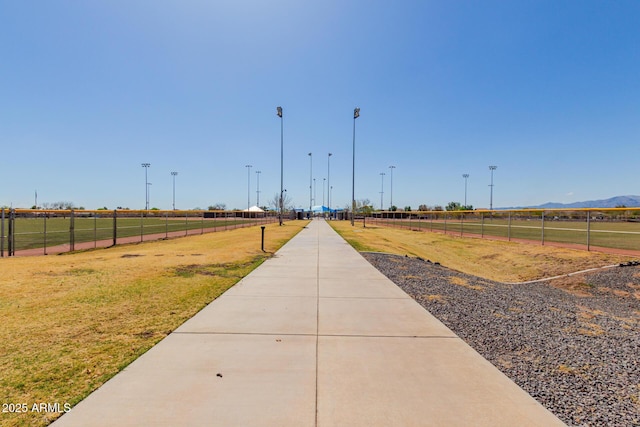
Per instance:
x=589, y=228
x=42, y=232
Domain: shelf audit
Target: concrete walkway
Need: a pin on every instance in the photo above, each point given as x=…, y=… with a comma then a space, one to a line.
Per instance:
x=314, y=337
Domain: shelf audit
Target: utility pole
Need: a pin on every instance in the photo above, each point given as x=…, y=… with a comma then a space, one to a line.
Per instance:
x=491, y=168
x=382, y=174
x=465, y=176
x=356, y=114
x=173, y=174
x=146, y=186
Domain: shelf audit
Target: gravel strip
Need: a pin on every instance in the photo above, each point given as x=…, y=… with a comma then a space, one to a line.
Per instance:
x=573, y=344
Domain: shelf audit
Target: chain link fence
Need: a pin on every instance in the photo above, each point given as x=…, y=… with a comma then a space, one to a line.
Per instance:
x=42, y=232
x=614, y=228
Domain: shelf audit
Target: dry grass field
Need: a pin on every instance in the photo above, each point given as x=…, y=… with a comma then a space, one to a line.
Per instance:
x=495, y=260
x=71, y=322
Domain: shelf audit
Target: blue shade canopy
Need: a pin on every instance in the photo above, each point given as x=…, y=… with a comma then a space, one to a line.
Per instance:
x=318, y=208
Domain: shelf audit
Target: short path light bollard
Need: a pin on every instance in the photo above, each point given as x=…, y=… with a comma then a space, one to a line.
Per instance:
x=262, y=246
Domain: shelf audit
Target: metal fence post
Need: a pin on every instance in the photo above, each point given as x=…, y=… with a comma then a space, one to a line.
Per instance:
x=95, y=230
x=115, y=226
x=186, y=224
x=543, y=227
x=45, y=234
x=445, y=224
x=461, y=223
x=12, y=239
x=2, y=234
x=509, y=228
x=166, y=225
x=588, y=231
x=141, y=225
x=482, y=226
x=202, y=219
x=72, y=231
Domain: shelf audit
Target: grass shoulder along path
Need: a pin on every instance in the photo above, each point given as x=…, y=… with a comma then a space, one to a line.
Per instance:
x=71, y=322
x=490, y=259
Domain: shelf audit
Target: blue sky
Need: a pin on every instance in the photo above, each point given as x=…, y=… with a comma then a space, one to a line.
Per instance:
x=549, y=91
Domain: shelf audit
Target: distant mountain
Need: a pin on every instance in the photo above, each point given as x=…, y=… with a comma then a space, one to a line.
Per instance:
x=630, y=201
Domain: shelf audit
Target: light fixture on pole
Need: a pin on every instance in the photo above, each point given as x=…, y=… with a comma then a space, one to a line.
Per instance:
x=391, y=201
x=146, y=187
x=258, y=189
x=465, y=176
x=281, y=202
x=382, y=174
x=310, y=181
x=328, y=181
x=356, y=114
x=491, y=168
x=173, y=174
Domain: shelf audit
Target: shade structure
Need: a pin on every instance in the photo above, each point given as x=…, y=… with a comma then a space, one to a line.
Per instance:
x=321, y=209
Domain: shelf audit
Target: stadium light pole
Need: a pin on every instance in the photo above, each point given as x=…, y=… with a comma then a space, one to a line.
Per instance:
x=258, y=189
x=148, y=194
x=391, y=201
x=491, y=168
x=356, y=114
x=323, y=181
x=330, y=192
x=248, y=186
x=173, y=174
x=279, y=112
x=146, y=187
x=382, y=174
x=328, y=181
x=314, y=191
x=465, y=176
x=310, y=182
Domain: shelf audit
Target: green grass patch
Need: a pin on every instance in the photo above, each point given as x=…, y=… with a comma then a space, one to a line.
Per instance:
x=39, y=232
x=609, y=234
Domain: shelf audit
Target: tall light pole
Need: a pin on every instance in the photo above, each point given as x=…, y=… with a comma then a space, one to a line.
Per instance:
x=465, y=176
x=258, y=189
x=328, y=181
x=491, y=168
x=310, y=181
x=146, y=187
x=173, y=174
x=279, y=112
x=323, y=181
x=314, y=191
x=248, y=186
x=148, y=194
x=382, y=174
x=330, y=191
x=356, y=114
x=391, y=202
